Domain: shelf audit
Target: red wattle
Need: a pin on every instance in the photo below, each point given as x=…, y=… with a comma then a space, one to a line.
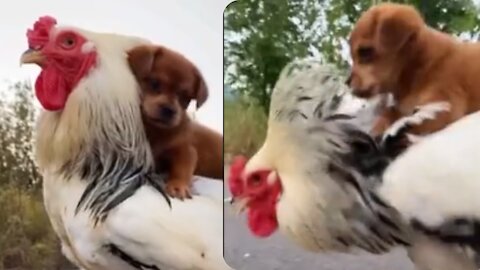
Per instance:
x=51, y=90
x=262, y=211
x=261, y=223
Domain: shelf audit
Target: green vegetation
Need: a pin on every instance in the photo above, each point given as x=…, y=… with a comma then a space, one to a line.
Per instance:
x=27, y=240
x=245, y=130
x=262, y=36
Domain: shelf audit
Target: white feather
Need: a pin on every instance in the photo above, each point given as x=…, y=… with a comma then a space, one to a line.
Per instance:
x=438, y=178
x=143, y=226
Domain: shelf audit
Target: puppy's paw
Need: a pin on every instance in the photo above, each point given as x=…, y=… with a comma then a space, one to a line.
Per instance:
x=420, y=114
x=429, y=111
x=178, y=189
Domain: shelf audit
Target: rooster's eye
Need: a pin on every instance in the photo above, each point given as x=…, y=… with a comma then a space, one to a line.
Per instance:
x=255, y=180
x=68, y=42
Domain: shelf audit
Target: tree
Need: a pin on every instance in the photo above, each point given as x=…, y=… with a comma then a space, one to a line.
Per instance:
x=16, y=130
x=261, y=37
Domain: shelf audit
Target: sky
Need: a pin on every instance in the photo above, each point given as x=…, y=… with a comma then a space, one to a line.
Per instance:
x=192, y=27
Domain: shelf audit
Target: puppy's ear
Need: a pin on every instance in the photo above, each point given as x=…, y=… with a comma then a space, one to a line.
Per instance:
x=201, y=90
x=396, y=29
x=141, y=60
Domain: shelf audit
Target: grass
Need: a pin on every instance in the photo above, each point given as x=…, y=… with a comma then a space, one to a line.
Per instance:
x=27, y=240
x=244, y=127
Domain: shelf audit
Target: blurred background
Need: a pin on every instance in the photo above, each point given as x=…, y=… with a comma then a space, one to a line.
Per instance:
x=193, y=28
x=260, y=38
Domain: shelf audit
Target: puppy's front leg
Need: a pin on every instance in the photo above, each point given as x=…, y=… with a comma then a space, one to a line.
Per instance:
x=183, y=162
x=434, y=117
x=438, y=121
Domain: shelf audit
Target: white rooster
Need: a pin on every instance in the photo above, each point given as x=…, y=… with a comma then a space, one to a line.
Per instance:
x=317, y=174
x=100, y=192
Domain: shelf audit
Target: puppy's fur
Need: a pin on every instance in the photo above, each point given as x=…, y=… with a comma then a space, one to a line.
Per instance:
x=180, y=146
x=394, y=51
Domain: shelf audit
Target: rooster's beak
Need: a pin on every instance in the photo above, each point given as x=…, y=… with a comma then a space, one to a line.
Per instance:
x=239, y=204
x=32, y=56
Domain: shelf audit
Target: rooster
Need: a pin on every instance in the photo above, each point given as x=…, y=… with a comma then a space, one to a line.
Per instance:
x=285, y=190
x=324, y=182
x=103, y=200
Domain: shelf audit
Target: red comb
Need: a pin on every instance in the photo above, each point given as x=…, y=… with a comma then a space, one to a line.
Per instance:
x=38, y=36
x=234, y=177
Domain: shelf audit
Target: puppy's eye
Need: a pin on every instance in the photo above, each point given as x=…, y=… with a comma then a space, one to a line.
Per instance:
x=183, y=91
x=154, y=84
x=366, y=54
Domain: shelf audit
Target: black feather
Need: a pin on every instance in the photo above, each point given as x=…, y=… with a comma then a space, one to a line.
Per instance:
x=339, y=116
x=462, y=231
x=304, y=98
x=112, y=180
x=317, y=112
x=365, y=155
x=361, y=165
x=116, y=251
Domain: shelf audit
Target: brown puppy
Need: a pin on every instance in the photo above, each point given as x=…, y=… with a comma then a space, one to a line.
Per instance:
x=180, y=147
x=394, y=51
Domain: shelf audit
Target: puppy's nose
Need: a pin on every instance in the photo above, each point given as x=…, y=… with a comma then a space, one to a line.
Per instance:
x=349, y=80
x=167, y=112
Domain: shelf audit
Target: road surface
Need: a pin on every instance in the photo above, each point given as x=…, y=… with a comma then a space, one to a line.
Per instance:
x=244, y=252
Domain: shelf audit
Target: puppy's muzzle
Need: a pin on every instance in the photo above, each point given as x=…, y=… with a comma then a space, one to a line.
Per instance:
x=166, y=113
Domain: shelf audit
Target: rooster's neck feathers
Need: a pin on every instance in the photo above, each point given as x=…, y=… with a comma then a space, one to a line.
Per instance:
x=99, y=136
x=296, y=94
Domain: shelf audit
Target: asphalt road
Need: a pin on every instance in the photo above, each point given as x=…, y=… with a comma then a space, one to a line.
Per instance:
x=243, y=251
